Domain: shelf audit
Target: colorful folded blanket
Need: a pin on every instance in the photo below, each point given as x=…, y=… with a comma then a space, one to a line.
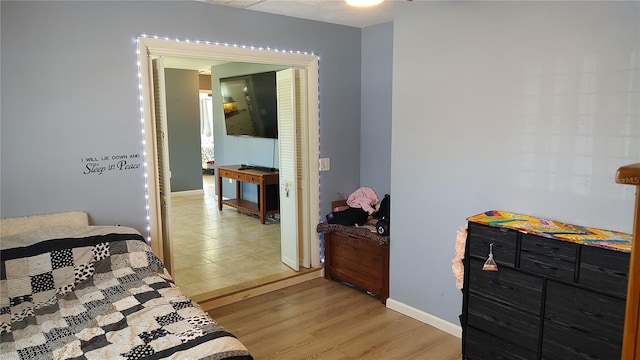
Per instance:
x=609, y=239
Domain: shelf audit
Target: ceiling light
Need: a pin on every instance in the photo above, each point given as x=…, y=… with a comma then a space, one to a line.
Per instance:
x=363, y=3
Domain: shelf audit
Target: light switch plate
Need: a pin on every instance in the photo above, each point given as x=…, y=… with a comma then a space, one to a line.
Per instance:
x=325, y=164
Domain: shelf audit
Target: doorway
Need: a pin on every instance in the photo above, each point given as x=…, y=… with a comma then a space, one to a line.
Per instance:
x=308, y=189
x=214, y=252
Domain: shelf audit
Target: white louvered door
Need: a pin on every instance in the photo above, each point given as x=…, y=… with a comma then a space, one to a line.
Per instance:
x=162, y=150
x=302, y=153
x=285, y=82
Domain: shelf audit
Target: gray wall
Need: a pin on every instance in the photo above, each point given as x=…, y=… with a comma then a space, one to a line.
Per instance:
x=70, y=94
x=183, y=125
x=375, y=127
x=526, y=107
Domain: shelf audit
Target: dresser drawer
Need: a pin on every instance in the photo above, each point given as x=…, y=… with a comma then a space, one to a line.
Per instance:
x=479, y=345
x=508, y=286
x=604, y=270
x=504, y=322
x=598, y=316
x=504, y=243
x=562, y=342
x=552, y=258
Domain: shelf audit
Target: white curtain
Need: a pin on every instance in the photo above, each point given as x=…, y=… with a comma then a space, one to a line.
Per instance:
x=206, y=129
x=206, y=124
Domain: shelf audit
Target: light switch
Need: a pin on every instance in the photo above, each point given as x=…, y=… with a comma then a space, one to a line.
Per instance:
x=325, y=164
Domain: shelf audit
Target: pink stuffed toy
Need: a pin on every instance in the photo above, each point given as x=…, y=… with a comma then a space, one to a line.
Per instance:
x=364, y=198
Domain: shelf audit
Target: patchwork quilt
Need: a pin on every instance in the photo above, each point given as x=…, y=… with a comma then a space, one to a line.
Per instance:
x=99, y=293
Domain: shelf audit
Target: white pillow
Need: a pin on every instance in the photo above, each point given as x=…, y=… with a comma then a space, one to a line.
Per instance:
x=18, y=225
x=56, y=232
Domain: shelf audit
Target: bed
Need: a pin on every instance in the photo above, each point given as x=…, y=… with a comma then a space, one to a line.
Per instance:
x=96, y=292
x=207, y=154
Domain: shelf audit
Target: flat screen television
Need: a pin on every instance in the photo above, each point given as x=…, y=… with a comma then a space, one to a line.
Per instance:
x=250, y=105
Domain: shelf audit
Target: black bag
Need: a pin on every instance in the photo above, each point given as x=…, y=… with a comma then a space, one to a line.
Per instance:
x=348, y=217
x=384, y=211
x=382, y=227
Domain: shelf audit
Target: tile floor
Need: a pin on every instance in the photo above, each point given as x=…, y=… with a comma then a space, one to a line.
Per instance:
x=220, y=252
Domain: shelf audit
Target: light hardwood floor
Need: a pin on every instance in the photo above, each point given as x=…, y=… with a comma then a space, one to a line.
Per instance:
x=220, y=252
x=321, y=319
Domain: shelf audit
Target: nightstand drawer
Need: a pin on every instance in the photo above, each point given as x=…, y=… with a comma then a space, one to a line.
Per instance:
x=551, y=258
x=508, y=286
x=479, y=345
x=604, y=270
x=504, y=243
x=504, y=322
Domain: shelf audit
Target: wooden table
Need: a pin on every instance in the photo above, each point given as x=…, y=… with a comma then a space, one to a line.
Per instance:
x=262, y=178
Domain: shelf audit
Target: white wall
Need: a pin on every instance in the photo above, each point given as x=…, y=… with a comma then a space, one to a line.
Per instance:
x=527, y=107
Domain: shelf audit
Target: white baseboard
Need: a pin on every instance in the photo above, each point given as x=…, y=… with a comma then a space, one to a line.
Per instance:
x=188, y=192
x=438, y=323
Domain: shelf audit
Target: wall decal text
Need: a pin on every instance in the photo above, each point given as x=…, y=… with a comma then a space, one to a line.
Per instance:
x=94, y=165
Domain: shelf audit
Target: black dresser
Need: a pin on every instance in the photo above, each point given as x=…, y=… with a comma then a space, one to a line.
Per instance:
x=549, y=299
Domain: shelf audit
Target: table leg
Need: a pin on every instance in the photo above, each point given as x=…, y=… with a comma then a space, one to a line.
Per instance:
x=262, y=202
x=219, y=188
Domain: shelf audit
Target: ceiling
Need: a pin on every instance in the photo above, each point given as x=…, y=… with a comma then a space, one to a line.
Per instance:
x=329, y=11
x=203, y=66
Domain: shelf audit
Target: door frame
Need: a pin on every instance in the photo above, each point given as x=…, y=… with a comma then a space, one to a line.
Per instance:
x=148, y=46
